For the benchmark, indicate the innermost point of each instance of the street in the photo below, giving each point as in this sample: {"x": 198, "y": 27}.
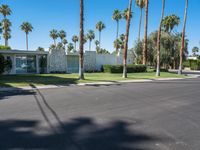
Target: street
{"x": 160, "y": 115}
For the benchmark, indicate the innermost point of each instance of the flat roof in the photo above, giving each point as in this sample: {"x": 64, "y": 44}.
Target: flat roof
{"x": 23, "y": 52}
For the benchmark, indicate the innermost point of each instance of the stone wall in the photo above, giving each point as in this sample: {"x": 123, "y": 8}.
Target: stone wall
{"x": 57, "y": 61}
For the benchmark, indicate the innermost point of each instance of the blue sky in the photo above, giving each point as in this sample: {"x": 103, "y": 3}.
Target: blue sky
{"x": 45, "y": 15}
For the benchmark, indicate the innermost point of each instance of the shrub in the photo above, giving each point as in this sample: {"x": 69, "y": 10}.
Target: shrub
{"x": 5, "y": 65}
{"x": 2, "y": 66}
{"x": 194, "y": 64}
{"x": 186, "y": 64}
{"x": 119, "y": 68}
{"x": 2, "y": 47}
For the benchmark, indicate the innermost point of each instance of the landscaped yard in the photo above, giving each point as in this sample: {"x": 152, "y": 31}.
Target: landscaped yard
{"x": 64, "y": 79}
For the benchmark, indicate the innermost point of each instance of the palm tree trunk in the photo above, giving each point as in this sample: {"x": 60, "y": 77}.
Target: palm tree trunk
{"x": 54, "y": 41}
{"x": 75, "y": 46}
{"x": 6, "y": 42}
{"x": 126, "y": 40}
{"x": 158, "y": 40}
{"x": 183, "y": 39}
{"x": 145, "y": 33}
{"x": 26, "y": 41}
{"x": 117, "y": 36}
{"x": 90, "y": 45}
{"x": 81, "y": 69}
{"x": 99, "y": 40}
{"x": 140, "y": 24}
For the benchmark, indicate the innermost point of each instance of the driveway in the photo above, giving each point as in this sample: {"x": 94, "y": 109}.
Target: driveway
{"x": 161, "y": 115}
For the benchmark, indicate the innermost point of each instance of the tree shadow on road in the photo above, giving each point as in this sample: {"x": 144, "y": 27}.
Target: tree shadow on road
{"x": 78, "y": 133}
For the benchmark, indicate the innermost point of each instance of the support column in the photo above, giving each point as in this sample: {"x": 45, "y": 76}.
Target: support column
{"x": 13, "y": 65}
{"x": 37, "y": 65}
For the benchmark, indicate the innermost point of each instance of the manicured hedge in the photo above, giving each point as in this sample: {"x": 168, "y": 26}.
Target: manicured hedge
{"x": 119, "y": 68}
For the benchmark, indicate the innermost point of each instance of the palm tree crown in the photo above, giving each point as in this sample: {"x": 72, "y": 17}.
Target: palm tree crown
{"x": 62, "y": 34}
{"x": 117, "y": 15}
{"x": 26, "y": 27}
{"x": 100, "y": 26}
{"x": 169, "y": 22}
{"x": 140, "y": 3}
{"x": 90, "y": 37}
{"x": 54, "y": 35}
{"x": 5, "y": 10}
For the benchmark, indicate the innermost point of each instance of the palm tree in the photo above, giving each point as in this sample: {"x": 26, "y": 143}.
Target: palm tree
{"x": 158, "y": 40}
{"x": 126, "y": 39}
{"x": 62, "y": 34}
{"x": 27, "y": 28}
{"x": 75, "y": 40}
{"x": 117, "y": 16}
{"x": 81, "y": 45}
{"x": 140, "y": 4}
{"x": 70, "y": 47}
{"x": 183, "y": 38}
{"x": 6, "y": 30}
{"x": 100, "y": 26}
{"x": 5, "y": 10}
{"x": 169, "y": 22}
{"x": 90, "y": 37}
{"x": 145, "y": 32}
{"x": 54, "y": 35}
{"x": 64, "y": 41}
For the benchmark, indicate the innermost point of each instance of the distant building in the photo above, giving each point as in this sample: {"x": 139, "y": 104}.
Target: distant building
{"x": 57, "y": 61}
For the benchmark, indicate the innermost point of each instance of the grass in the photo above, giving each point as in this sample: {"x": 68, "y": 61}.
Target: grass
{"x": 65, "y": 79}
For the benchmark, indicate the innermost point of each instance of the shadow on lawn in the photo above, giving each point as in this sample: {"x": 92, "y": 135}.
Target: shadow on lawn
{"x": 6, "y": 81}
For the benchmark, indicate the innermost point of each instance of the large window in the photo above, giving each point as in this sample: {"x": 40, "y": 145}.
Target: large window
{"x": 26, "y": 64}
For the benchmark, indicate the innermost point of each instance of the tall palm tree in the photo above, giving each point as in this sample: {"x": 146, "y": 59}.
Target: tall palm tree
{"x": 5, "y": 10}
{"x": 140, "y": 4}
{"x": 62, "y": 35}
{"x": 90, "y": 37}
{"x": 183, "y": 38}
{"x": 145, "y": 32}
{"x": 100, "y": 26}
{"x": 75, "y": 40}
{"x": 126, "y": 39}
{"x": 81, "y": 45}
{"x": 6, "y": 30}
{"x": 117, "y": 16}
{"x": 158, "y": 39}
{"x": 54, "y": 35}
{"x": 27, "y": 28}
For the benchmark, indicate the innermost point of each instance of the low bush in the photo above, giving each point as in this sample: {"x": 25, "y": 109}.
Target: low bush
{"x": 195, "y": 64}
{"x": 2, "y": 47}
{"x": 119, "y": 68}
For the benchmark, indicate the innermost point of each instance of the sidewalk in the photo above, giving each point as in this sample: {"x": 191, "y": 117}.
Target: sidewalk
{"x": 9, "y": 89}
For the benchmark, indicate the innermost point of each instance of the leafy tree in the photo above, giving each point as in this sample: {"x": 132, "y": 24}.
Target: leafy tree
{"x": 64, "y": 41}
{"x": 40, "y": 49}
{"x": 54, "y": 35}
{"x": 90, "y": 37}
{"x": 100, "y": 26}
{"x": 140, "y": 4}
{"x": 27, "y": 28}
{"x": 195, "y": 51}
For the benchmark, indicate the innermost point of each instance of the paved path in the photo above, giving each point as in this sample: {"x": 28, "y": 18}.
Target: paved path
{"x": 160, "y": 115}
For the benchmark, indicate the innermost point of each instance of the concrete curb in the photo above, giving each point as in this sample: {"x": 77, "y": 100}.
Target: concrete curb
{"x": 10, "y": 89}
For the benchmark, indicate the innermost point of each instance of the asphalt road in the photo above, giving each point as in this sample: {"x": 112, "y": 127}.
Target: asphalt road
{"x": 163, "y": 115}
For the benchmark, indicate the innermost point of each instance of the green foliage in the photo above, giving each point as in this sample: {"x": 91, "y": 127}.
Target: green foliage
{"x": 102, "y": 51}
{"x": 194, "y": 64}
{"x": 186, "y": 64}
{"x": 119, "y": 68}
{"x": 2, "y": 47}
{"x": 43, "y": 64}
{"x": 5, "y": 65}
{"x": 40, "y": 49}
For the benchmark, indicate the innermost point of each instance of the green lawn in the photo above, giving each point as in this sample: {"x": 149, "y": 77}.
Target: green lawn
{"x": 64, "y": 79}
